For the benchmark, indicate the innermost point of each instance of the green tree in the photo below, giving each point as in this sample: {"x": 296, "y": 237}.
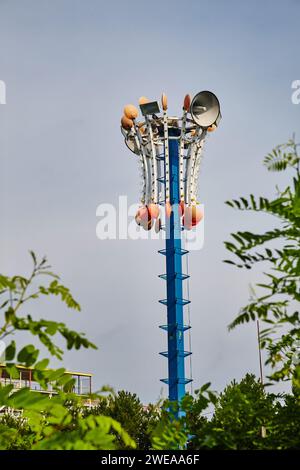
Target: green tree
{"x": 191, "y": 426}
{"x": 243, "y": 417}
{"x": 16, "y": 432}
{"x": 238, "y": 415}
{"x": 277, "y": 305}
{"x": 51, "y": 423}
{"x": 283, "y": 430}
{"x": 242, "y": 413}
{"x": 247, "y": 417}
{"x": 127, "y": 409}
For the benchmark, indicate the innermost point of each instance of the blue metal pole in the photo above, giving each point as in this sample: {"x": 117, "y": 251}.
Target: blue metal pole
{"x": 175, "y": 327}
{"x": 174, "y": 284}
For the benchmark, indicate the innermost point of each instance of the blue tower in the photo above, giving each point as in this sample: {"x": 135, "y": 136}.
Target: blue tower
{"x": 170, "y": 153}
{"x": 174, "y": 277}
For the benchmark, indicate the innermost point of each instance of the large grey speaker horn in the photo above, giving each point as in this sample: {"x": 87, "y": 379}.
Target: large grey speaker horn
{"x": 131, "y": 144}
{"x": 205, "y": 109}
{"x": 124, "y": 132}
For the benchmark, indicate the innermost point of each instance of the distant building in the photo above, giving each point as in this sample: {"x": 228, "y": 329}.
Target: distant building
{"x": 82, "y": 386}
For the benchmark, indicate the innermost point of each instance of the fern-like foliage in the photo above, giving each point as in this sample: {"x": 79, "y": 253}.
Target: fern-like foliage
{"x": 283, "y": 156}
{"x": 282, "y": 285}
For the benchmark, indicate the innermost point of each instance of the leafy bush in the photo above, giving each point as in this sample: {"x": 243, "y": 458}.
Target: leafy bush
{"x": 127, "y": 409}
{"x": 242, "y": 417}
{"x": 277, "y": 306}
{"x": 49, "y": 423}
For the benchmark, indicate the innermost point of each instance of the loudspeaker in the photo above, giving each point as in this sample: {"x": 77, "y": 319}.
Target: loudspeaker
{"x": 131, "y": 144}
{"x": 205, "y": 109}
{"x": 124, "y": 132}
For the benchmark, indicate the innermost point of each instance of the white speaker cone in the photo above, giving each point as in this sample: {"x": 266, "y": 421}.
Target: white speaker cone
{"x": 205, "y": 109}
{"x": 131, "y": 144}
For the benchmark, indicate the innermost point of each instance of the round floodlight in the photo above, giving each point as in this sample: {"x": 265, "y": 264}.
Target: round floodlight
{"x": 192, "y": 216}
{"x": 131, "y": 111}
{"x": 205, "y": 109}
{"x": 187, "y": 103}
{"x": 143, "y": 100}
{"x": 144, "y": 214}
{"x": 138, "y": 219}
{"x": 153, "y": 210}
{"x": 157, "y": 226}
{"x": 168, "y": 209}
{"x": 164, "y": 102}
{"x": 126, "y": 123}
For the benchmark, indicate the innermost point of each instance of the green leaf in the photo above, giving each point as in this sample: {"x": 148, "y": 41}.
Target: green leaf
{"x": 12, "y": 370}
{"x": 33, "y": 256}
{"x": 41, "y": 365}
{"x": 28, "y": 355}
{"x": 205, "y": 387}
{"x": 10, "y": 351}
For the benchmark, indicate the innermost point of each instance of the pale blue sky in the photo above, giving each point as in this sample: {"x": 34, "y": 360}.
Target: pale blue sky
{"x": 70, "y": 67}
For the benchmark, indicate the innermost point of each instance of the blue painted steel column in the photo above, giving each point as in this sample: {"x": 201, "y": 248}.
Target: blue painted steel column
{"x": 174, "y": 278}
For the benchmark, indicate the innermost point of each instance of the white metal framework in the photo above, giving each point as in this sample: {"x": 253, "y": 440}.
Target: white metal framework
{"x": 149, "y": 140}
